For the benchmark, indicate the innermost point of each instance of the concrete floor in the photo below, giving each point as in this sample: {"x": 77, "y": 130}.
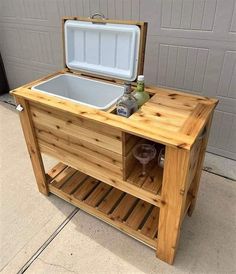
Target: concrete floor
{"x": 87, "y": 245}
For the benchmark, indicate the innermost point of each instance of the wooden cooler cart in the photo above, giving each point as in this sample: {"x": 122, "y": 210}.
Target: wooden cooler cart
{"x": 97, "y": 171}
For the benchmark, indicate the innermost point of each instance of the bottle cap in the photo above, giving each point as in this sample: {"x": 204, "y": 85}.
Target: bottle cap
{"x": 141, "y": 78}
{"x": 127, "y": 87}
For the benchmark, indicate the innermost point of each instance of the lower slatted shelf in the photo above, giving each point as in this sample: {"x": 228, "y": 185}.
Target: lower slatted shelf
{"x": 129, "y": 214}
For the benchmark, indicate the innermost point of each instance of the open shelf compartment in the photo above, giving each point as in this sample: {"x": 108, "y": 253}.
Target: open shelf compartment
{"x": 125, "y": 212}
{"x": 132, "y": 169}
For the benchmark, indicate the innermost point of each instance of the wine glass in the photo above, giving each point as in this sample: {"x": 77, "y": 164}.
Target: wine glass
{"x": 144, "y": 153}
{"x": 161, "y": 158}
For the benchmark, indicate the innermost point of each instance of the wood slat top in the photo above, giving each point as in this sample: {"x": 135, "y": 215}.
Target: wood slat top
{"x": 170, "y": 117}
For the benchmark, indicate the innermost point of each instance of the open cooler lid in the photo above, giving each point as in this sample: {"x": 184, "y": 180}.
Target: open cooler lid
{"x": 105, "y": 49}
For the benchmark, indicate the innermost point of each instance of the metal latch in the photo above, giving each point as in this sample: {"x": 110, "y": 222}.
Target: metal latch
{"x": 19, "y": 108}
{"x": 99, "y": 16}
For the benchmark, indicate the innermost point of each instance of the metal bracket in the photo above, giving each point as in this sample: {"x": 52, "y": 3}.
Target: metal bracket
{"x": 19, "y": 108}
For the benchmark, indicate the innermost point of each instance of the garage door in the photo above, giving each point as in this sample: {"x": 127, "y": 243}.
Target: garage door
{"x": 191, "y": 46}
{"x": 194, "y": 43}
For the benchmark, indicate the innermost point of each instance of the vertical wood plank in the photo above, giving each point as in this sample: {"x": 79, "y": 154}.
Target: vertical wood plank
{"x": 32, "y": 145}
{"x": 196, "y": 181}
{"x": 174, "y": 192}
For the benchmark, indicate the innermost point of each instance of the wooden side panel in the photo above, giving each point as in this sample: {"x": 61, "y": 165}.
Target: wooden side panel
{"x": 129, "y": 141}
{"x": 55, "y": 171}
{"x": 174, "y": 192}
{"x": 68, "y": 125}
{"x": 194, "y": 156}
{"x": 73, "y": 147}
{"x": 84, "y": 144}
{"x": 32, "y": 145}
{"x": 199, "y": 165}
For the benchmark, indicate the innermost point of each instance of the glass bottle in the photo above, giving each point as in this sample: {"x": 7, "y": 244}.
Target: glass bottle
{"x": 127, "y": 104}
{"x": 140, "y": 94}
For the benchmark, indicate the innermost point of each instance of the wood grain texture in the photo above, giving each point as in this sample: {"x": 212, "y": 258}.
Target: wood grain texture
{"x": 91, "y": 132}
{"x": 53, "y": 172}
{"x": 100, "y": 144}
{"x": 124, "y": 208}
{"x": 32, "y": 145}
{"x": 197, "y": 120}
{"x": 151, "y": 225}
{"x": 199, "y": 165}
{"x": 100, "y": 173}
{"x": 174, "y": 192}
{"x": 107, "y": 205}
{"x": 155, "y": 125}
{"x": 123, "y": 211}
{"x": 63, "y": 177}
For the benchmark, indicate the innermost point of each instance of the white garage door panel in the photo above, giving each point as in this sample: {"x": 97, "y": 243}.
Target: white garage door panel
{"x": 195, "y": 48}
{"x": 222, "y": 136}
{"x": 199, "y": 19}
{"x": 191, "y": 46}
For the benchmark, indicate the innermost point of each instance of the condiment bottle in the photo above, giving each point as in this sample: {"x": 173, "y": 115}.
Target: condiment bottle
{"x": 127, "y": 104}
{"x": 140, "y": 94}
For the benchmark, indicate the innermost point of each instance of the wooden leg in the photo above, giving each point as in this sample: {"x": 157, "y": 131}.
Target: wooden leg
{"x": 174, "y": 192}
{"x": 196, "y": 181}
{"x": 32, "y": 145}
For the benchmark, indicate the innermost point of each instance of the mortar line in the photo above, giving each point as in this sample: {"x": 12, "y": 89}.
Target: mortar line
{"x": 47, "y": 242}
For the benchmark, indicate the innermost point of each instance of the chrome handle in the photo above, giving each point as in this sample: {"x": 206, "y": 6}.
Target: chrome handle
{"x": 97, "y": 14}
{"x": 19, "y": 108}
